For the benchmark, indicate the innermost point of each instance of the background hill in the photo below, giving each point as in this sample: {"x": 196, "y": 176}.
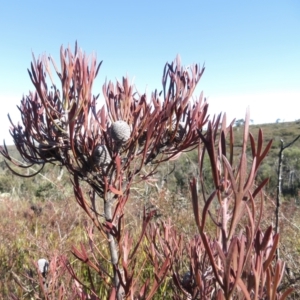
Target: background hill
{"x": 175, "y": 175}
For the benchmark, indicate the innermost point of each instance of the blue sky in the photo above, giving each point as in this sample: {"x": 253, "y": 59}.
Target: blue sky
{"x": 251, "y": 49}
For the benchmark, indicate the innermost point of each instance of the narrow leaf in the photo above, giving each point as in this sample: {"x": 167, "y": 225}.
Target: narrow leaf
{"x": 243, "y": 288}
{"x": 115, "y": 191}
{"x": 266, "y": 239}
{"x": 193, "y": 187}
{"x": 272, "y": 252}
{"x": 286, "y": 293}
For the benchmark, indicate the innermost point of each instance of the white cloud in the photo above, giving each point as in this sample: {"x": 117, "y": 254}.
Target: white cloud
{"x": 264, "y": 107}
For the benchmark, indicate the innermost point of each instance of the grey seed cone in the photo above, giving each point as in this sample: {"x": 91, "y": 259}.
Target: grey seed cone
{"x": 43, "y": 265}
{"x": 120, "y": 131}
{"x": 180, "y": 132}
{"x": 101, "y": 156}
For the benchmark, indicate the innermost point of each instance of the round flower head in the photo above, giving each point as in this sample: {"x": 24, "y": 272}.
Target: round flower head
{"x": 120, "y": 131}
{"x": 101, "y": 156}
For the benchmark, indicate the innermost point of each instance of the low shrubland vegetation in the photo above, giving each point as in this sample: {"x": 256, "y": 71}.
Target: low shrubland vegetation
{"x": 40, "y": 218}
{"x": 130, "y": 218}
